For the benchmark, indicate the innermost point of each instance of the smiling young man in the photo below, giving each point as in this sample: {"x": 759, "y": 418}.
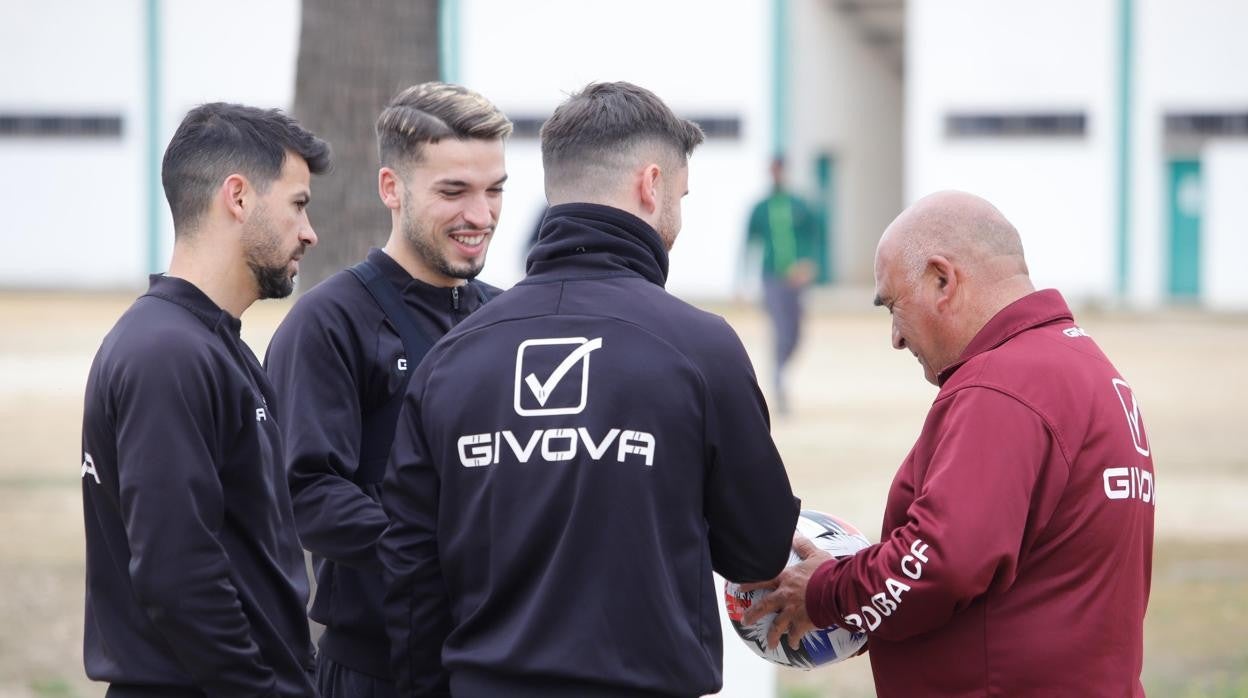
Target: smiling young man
{"x": 195, "y": 581}
{"x": 341, "y": 359}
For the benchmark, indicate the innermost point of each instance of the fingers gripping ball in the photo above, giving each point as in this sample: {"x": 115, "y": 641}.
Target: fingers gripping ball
{"x": 819, "y": 647}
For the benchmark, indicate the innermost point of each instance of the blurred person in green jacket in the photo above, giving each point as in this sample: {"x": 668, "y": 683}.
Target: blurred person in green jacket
{"x": 787, "y": 231}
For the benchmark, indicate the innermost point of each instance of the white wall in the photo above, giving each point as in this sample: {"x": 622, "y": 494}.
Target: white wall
{"x": 1225, "y": 244}
{"x": 991, "y": 56}
{"x": 847, "y": 101}
{"x": 1007, "y": 57}
{"x": 700, "y": 56}
{"x": 72, "y": 207}
{"x": 76, "y": 209}
{"x": 224, "y": 51}
{"x": 704, "y": 57}
{"x": 1190, "y": 56}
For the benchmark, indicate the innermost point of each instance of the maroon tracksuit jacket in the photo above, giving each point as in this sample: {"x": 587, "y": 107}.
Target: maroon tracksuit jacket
{"x": 1016, "y": 552}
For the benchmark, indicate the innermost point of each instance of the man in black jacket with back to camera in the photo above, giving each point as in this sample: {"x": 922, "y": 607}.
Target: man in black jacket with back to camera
{"x": 196, "y": 585}
{"x": 341, "y": 358}
{"x": 574, "y": 459}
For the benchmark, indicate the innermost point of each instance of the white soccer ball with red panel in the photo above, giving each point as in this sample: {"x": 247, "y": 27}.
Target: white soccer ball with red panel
{"x": 819, "y": 647}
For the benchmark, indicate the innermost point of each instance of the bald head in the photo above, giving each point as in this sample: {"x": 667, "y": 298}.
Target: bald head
{"x": 963, "y": 228}
{"x": 943, "y": 269}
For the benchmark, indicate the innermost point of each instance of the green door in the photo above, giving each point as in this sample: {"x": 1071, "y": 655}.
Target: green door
{"x": 1184, "y": 196}
{"x": 825, "y": 177}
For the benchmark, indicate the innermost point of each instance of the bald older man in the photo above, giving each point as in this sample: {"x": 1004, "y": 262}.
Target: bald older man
{"x": 1016, "y": 551}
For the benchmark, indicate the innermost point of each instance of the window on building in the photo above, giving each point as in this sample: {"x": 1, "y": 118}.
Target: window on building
{"x": 106, "y": 126}
{"x": 1016, "y": 125}
{"x": 1206, "y": 124}
{"x": 715, "y": 127}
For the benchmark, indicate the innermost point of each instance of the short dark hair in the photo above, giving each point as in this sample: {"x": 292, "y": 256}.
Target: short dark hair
{"x": 218, "y": 139}
{"x": 431, "y": 111}
{"x": 606, "y": 119}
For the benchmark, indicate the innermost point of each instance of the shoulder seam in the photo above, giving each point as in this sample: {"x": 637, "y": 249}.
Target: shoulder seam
{"x": 1048, "y": 423}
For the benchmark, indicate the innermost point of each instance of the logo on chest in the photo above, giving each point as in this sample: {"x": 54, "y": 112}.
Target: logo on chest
{"x": 262, "y": 412}
{"x": 1132, "y": 409}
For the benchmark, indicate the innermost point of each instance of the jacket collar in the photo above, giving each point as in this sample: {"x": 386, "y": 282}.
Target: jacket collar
{"x": 1032, "y": 310}
{"x": 409, "y": 285}
{"x": 597, "y": 239}
{"x": 188, "y": 295}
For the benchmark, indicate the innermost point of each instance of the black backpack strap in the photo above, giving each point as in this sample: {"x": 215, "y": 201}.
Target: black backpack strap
{"x": 488, "y": 292}
{"x": 378, "y": 427}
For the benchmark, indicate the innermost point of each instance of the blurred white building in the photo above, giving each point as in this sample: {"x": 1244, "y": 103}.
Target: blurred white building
{"x": 78, "y": 163}
{"x": 875, "y": 102}
{"x": 101, "y": 86}
{"x": 1127, "y": 179}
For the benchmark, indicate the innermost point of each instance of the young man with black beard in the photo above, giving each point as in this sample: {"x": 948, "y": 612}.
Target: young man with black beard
{"x": 195, "y": 581}
{"x": 342, "y": 357}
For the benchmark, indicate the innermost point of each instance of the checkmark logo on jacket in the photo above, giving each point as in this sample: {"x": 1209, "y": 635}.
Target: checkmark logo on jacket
{"x": 533, "y": 356}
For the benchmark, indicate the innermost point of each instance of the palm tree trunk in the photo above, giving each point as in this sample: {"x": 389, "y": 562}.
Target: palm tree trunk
{"x": 354, "y": 55}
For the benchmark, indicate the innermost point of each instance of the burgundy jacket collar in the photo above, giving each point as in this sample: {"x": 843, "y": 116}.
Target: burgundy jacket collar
{"x": 1032, "y": 310}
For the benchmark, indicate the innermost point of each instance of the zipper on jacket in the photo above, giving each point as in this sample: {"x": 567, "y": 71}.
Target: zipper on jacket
{"x": 454, "y": 298}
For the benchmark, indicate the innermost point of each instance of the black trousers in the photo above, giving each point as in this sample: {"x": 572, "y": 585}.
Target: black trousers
{"x": 334, "y": 680}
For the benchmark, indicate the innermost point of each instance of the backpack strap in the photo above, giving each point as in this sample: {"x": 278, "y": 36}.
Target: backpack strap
{"x": 488, "y": 293}
{"x": 378, "y": 427}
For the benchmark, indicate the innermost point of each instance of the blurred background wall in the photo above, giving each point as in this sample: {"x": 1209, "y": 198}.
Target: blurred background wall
{"x": 1114, "y": 133}
{"x": 1125, "y": 177}
{"x": 101, "y": 88}
{"x": 78, "y": 167}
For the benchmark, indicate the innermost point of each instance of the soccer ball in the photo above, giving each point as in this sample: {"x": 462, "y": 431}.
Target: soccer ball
{"x": 818, "y": 647}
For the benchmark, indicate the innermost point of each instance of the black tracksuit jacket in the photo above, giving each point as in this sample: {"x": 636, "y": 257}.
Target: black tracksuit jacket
{"x": 195, "y": 581}
{"x": 571, "y": 464}
{"x": 335, "y": 362}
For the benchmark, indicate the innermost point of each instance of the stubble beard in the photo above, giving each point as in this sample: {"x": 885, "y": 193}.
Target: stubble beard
{"x": 262, "y": 248}
{"x": 423, "y": 244}
{"x": 667, "y": 224}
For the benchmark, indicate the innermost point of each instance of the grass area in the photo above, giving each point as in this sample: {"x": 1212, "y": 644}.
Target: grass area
{"x": 1197, "y": 639}
{"x": 52, "y": 688}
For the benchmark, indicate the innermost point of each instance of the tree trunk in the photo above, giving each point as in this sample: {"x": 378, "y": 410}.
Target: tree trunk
{"x": 354, "y": 55}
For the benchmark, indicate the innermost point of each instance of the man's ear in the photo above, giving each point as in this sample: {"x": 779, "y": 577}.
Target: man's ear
{"x": 235, "y": 194}
{"x": 944, "y": 274}
{"x": 390, "y": 188}
{"x": 648, "y": 188}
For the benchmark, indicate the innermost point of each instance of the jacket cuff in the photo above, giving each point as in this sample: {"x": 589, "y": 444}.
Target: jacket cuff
{"x": 820, "y": 599}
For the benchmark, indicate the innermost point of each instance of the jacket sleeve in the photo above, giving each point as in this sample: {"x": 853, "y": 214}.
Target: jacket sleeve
{"x": 316, "y": 374}
{"x": 173, "y": 509}
{"x": 994, "y": 472}
{"x": 417, "y": 605}
{"x": 750, "y": 508}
